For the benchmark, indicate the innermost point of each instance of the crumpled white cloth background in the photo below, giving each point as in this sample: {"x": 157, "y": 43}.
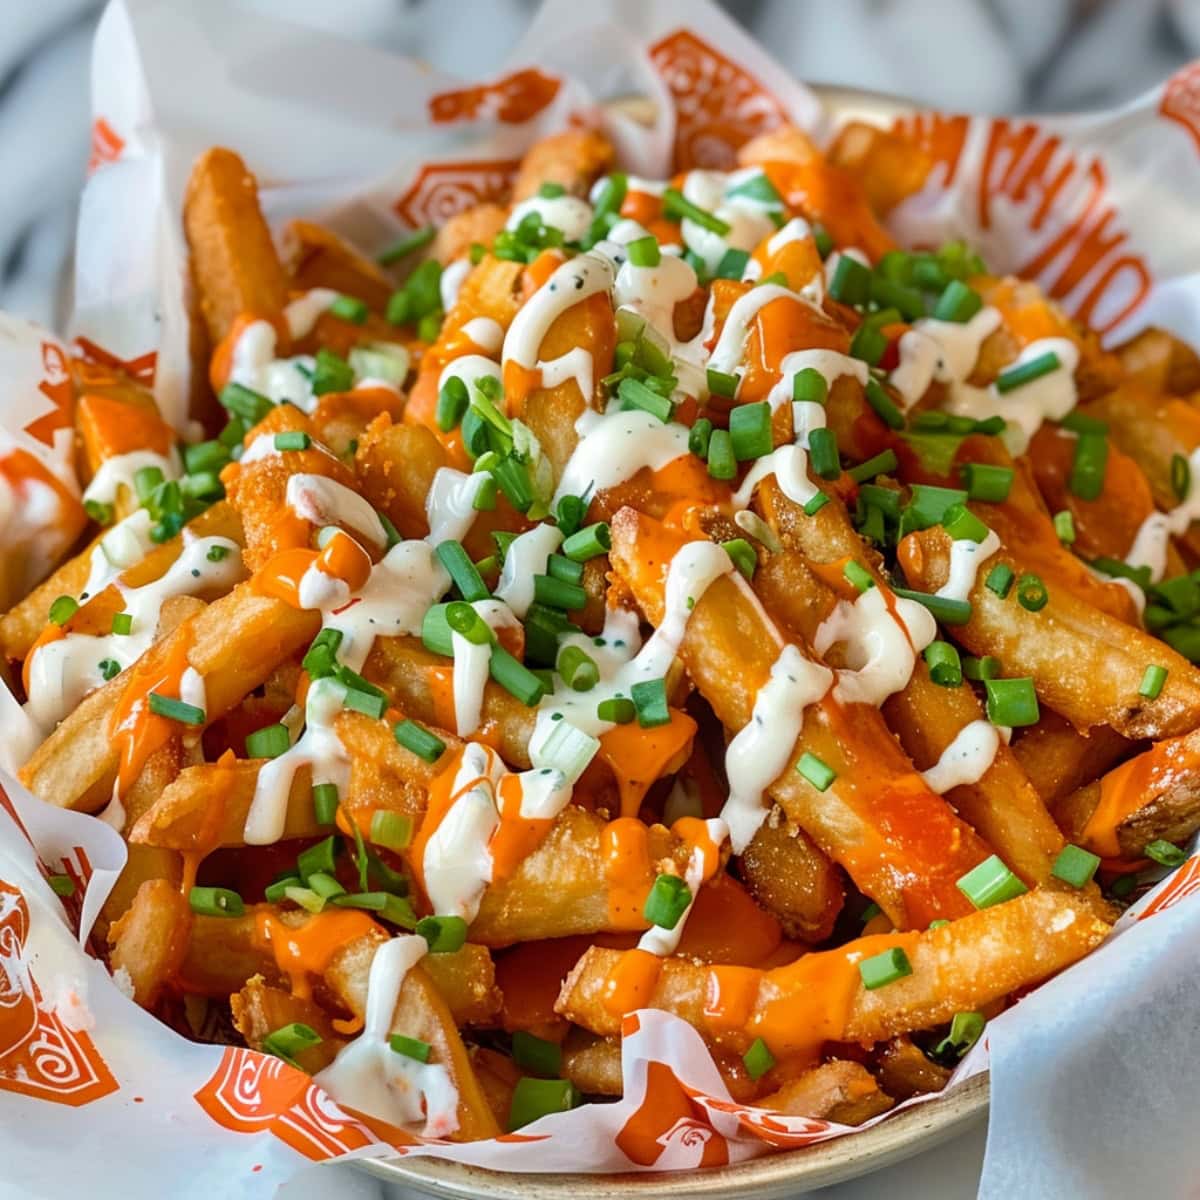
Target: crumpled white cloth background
{"x": 966, "y": 55}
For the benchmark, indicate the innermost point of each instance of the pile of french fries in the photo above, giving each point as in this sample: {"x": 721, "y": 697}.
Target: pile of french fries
{"x": 642, "y": 595}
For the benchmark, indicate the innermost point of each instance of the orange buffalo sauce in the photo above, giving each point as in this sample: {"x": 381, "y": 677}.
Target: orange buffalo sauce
{"x": 729, "y": 997}
{"x": 625, "y": 853}
{"x": 516, "y": 837}
{"x": 220, "y": 367}
{"x": 1124, "y": 790}
{"x": 785, "y": 324}
{"x": 110, "y": 427}
{"x": 301, "y": 950}
{"x": 797, "y": 259}
{"x": 342, "y": 558}
{"x": 638, "y": 757}
{"x": 135, "y": 731}
{"x": 208, "y": 837}
{"x": 632, "y": 982}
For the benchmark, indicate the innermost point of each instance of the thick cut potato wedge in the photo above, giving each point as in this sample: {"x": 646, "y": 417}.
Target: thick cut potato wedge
{"x": 316, "y": 257}
{"x": 840, "y": 1091}
{"x": 574, "y": 159}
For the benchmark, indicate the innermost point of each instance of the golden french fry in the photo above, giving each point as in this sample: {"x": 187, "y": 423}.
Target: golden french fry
{"x": 1158, "y": 361}
{"x": 888, "y": 167}
{"x": 477, "y": 225}
{"x": 150, "y": 940}
{"x": 786, "y": 873}
{"x": 259, "y": 1010}
{"x": 395, "y": 466}
{"x": 316, "y": 257}
{"x": 573, "y": 159}
{"x": 592, "y": 1064}
{"x": 1153, "y": 796}
{"x": 957, "y": 967}
{"x": 866, "y": 819}
{"x": 904, "y": 1070}
{"x": 1085, "y": 665}
{"x": 1058, "y": 759}
{"x": 234, "y": 265}
{"x": 840, "y": 1091}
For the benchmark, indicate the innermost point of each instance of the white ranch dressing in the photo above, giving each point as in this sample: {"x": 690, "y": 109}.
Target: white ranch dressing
{"x": 761, "y": 750}
{"x": 527, "y": 555}
{"x": 789, "y": 465}
{"x": 1025, "y": 408}
{"x": 614, "y": 446}
{"x": 881, "y": 647}
{"x": 568, "y": 213}
{"x": 576, "y": 280}
{"x": 123, "y": 546}
{"x": 451, "y": 280}
{"x": 829, "y": 364}
{"x": 728, "y": 353}
{"x": 372, "y": 1077}
{"x": 324, "y": 501}
{"x": 470, "y": 368}
{"x": 303, "y": 313}
{"x": 946, "y": 351}
{"x": 1150, "y": 543}
{"x": 966, "y": 557}
{"x": 472, "y": 663}
{"x": 256, "y": 367}
{"x": 450, "y": 505}
{"x": 663, "y": 942}
{"x": 118, "y": 472}
{"x": 967, "y": 759}
{"x": 62, "y": 672}
{"x": 748, "y": 219}
{"x": 486, "y": 333}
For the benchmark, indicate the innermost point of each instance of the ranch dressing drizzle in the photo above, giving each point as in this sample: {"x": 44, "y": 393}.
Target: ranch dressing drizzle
{"x": 966, "y": 557}
{"x": 967, "y": 759}
{"x": 663, "y": 942}
{"x": 945, "y": 351}
{"x": 372, "y": 1077}
{"x": 118, "y": 472}
{"x": 1149, "y": 547}
{"x": 762, "y": 748}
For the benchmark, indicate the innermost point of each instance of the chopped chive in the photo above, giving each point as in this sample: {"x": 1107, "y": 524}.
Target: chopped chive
{"x": 858, "y": 575}
{"x": 1165, "y": 853}
{"x": 349, "y": 308}
{"x": 870, "y": 912}
{"x": 99, "y": 512}
{"x": 635, "y": 394}
{"x": 851, "y": 282}
{"x": 650, "y": 701}
{"x": 957, "y": 303}
{"x": 881, "y": 464}
{"x": 758, "y": 1059}
{"x": 1000, "y": 580}
{"x": 1089, "y": 464}
{"x": 987, "y": 482}
{"x": 109, "y": 668}
{"x": 810, "y": 386}
{"x": 965, "y": 1030}
{"x": 391, "y": 830}
{"x": 823, "y": 453}
{"x": 815, "y": 771}
{"x": 462, "y": 571}
{"x": 750, "y": 431}
{"x": 289, "y": 1041}
{"x": 721, "y": 461}
{"x": 419, "y": 740}
{"x": 1027, "y": 372}
{"x": 557, "y": 593}
{"x": 868, "y": 344}
{"x": 62, "y": 610}
{"x": 551, "y": 190}
{"x": 535, "y": 1054}
{"x": 533, "y": 1099}
{"x": 515, "y": 678}
{"x": 319, "y": 858}
{"x": 991, "y": 882}
{"x": 698, "y": 437}
{"x": 578, "y": 669}
{"x": 406, "y": 245}
{"x": 445, "y": 934}
{"x": 217, "y": 553}
{"x": 452, "y": 404}
{"x": 881, "y": 969}
{"x": 1031, "y": 592}
{"x": 945, "y": 666}
{"x": 644, "y": 251}
{"x": 610, "y": 194}
{"x": 677, "y": 207}
{"x": 743, "y": 556}
{"x": 204, "y": 456}
{"x": 1153, "y": 679}
{"x": 176, "y": 710}
{"x": 980, "y": 669}
{"x": 1181, "y": 476}
{"x": 1011, "y": 702}
{"x": 949, "y": 612}
{"x": 963, "y": 525}
{"x": 588, "y": 543}
{"x": 733, "y": 264}
{"x": 815, "y": 505}
{"x": 722, "y": 384}
{"x": 325, "y": 885}
{"x": 617, "y": 709}
{"x": 566, "y": 569}
{"x": 269, "y": 742}
{"x": 1075, "y": 865}
{"x": 822, "y": 240}
{"x": 667, "y": 901}
{"x": 215, "y": 902}
{"x": 325, "y": 803}
{"x": 242, "y": 402}
{"x": 883, "y": 405}
{"x": 410, "y": 1047}
{"x": 122, "y": 623}
{"x": 1064, "y": 526}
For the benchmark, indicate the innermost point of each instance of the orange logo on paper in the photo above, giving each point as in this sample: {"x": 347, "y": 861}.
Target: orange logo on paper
{"x": 140, "y": 368}
{"x": 1181, "y": 100}
{"x": 669, "y": 1124}
{"x": 718, "y": 105}
{"x": 255, "y": 1093}
{"x": 56, "y": 387}
{"x": 1021, "y": 175}
{"x": 516, "y": 98}
{"x": 39, "y": 1055}
{"x": 443, "y": 190}
{"x": 107, "y": 144}
{"x": 1184, "y": 883}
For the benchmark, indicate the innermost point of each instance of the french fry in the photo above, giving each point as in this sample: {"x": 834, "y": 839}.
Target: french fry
{"x": 477, "y": 225}
{"x": 1085, "y": 665}
{"x": 1157, "y": 361}
{"x": 840, "y": 1091}
{"x": 1153, "y": 796}
{"x": 395, "y": 466}
{"x": 149, "y": 942}
{"x": 498, "y": 1076}
{"x": 867, "y": 818}
{"x": 786, "y": 873}
{"x": 592, "y": 1064}
{"x": 573, "y": 159}
{"x": 315, "y": 257}
{"x": 234, "y": 265}
{"x": 20, "y": 626}
{"x": 1058, "y": 759}
{"x": 888, "y": 167}
{"x": 904, "y": 1071}
{"x": 957, "y": 967}
{"x": 259, "y": 1010}
{"x": 234, "y": 645}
